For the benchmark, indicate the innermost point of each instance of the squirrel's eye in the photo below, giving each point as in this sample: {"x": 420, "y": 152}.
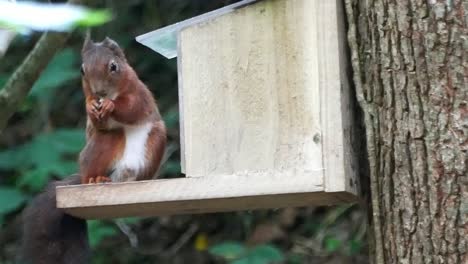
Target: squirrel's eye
{"x": 82, "y": 70}
{"x": 113, "y": 66}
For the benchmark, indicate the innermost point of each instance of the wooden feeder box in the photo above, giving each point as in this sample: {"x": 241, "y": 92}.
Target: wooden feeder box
{"x": 265, "y": 115}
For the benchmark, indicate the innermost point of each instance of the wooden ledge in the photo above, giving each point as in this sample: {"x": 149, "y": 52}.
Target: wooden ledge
{"x": 195, "y": 195}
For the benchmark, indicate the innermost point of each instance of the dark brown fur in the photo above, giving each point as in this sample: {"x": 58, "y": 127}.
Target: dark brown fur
{"x": 50, "y": 235}
{"x": 133, "y": 104}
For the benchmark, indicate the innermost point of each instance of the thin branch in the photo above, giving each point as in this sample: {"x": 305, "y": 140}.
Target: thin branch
{"x": 20, "y": 83}
{"x": 183, "y": 239}
{"x": 127, "y": 230}
{"x": 174, "y": 248}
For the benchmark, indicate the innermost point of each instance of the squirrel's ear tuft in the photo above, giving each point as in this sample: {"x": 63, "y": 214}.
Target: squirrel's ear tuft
{"x": 88, "y": 43}
{"x": 114, "y": 47}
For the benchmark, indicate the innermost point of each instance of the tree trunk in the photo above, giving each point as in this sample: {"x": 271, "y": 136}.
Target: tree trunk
{"x": 410, "y": 63}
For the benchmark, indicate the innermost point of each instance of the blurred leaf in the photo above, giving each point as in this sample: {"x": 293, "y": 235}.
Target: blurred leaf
{"x": 11, "y": 159}
{"x": 245, "y": 260}
{"x": 100, "y": 257}
{"x": 43, "y": 157}
{"x": 170, "y": 167}
{"x": 26, "y": 16}
{"x": 311, "y": 227}
{"x": 130, "y": 220}
{"x": 37, "y": 178}
{"x": 95, "y": 18}
{"x": 98, "y": 230}
{"x": 3, "y": 80}
{"x": 332, "y": 244}
{"x": 171, "y": 118}
{"x": 60, "y": 70}
{"x": 355, "y": 246}
{"x": 228, "y": 250}
{"x": 63, "y": 168}
{"x": 237, "y": 253}
{"x": 66, "y": 140}
{"x": 34, "y": 179}
{"x": 44, "y": 149}
{"x": 295, "y": 259}
{"x": 264, "y": 254}
{"x": 11, "y": 199}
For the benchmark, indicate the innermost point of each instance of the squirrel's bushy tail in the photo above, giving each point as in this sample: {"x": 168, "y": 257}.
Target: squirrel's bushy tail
{"x": 49, "y": 234}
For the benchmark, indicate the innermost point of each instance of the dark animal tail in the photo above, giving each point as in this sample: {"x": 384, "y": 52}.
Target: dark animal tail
{"x": 49, "y": 234}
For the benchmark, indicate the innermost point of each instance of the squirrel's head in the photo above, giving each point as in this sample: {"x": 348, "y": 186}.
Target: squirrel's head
{"x": 104, "y": 66}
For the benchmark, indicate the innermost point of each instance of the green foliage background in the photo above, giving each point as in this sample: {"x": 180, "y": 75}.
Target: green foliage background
{"x": 43, "y": 139}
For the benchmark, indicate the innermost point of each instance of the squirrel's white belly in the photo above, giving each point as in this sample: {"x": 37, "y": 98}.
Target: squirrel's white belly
{"x": 134, "y": 155}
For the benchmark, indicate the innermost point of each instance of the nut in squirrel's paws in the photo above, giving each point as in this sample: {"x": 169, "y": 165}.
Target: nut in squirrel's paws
{"x": 92, "y": 109}
{"x": 98, "y": 104}
{"x": 106, "y": 107}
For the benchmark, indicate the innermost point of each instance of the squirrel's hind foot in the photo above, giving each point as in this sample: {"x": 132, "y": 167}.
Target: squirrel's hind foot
{"x": 103, "y": 179}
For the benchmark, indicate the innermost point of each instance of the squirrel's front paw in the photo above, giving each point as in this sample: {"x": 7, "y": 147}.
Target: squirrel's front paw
{"x": 107, "y": 106}
{"x": 93, "y": 108}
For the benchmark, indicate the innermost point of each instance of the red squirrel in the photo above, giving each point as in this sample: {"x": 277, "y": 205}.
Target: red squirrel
{"x": 125, "y": 135}
{"x": 125, "y": 140}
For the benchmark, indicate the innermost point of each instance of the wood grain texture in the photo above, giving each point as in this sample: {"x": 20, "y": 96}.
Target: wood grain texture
{"x": 251, "y": 90}
{"x": 266, "y": 88}
{"x": 195, "y": 195}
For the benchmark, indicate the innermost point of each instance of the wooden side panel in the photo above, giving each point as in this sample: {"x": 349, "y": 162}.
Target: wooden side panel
{"x": 336, "y": 114}
{"x": 251, "y": 99}
{"x": 180, "y": 83}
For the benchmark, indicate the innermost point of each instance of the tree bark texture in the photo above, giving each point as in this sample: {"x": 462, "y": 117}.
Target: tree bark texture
{"x": 410, "y": 64}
